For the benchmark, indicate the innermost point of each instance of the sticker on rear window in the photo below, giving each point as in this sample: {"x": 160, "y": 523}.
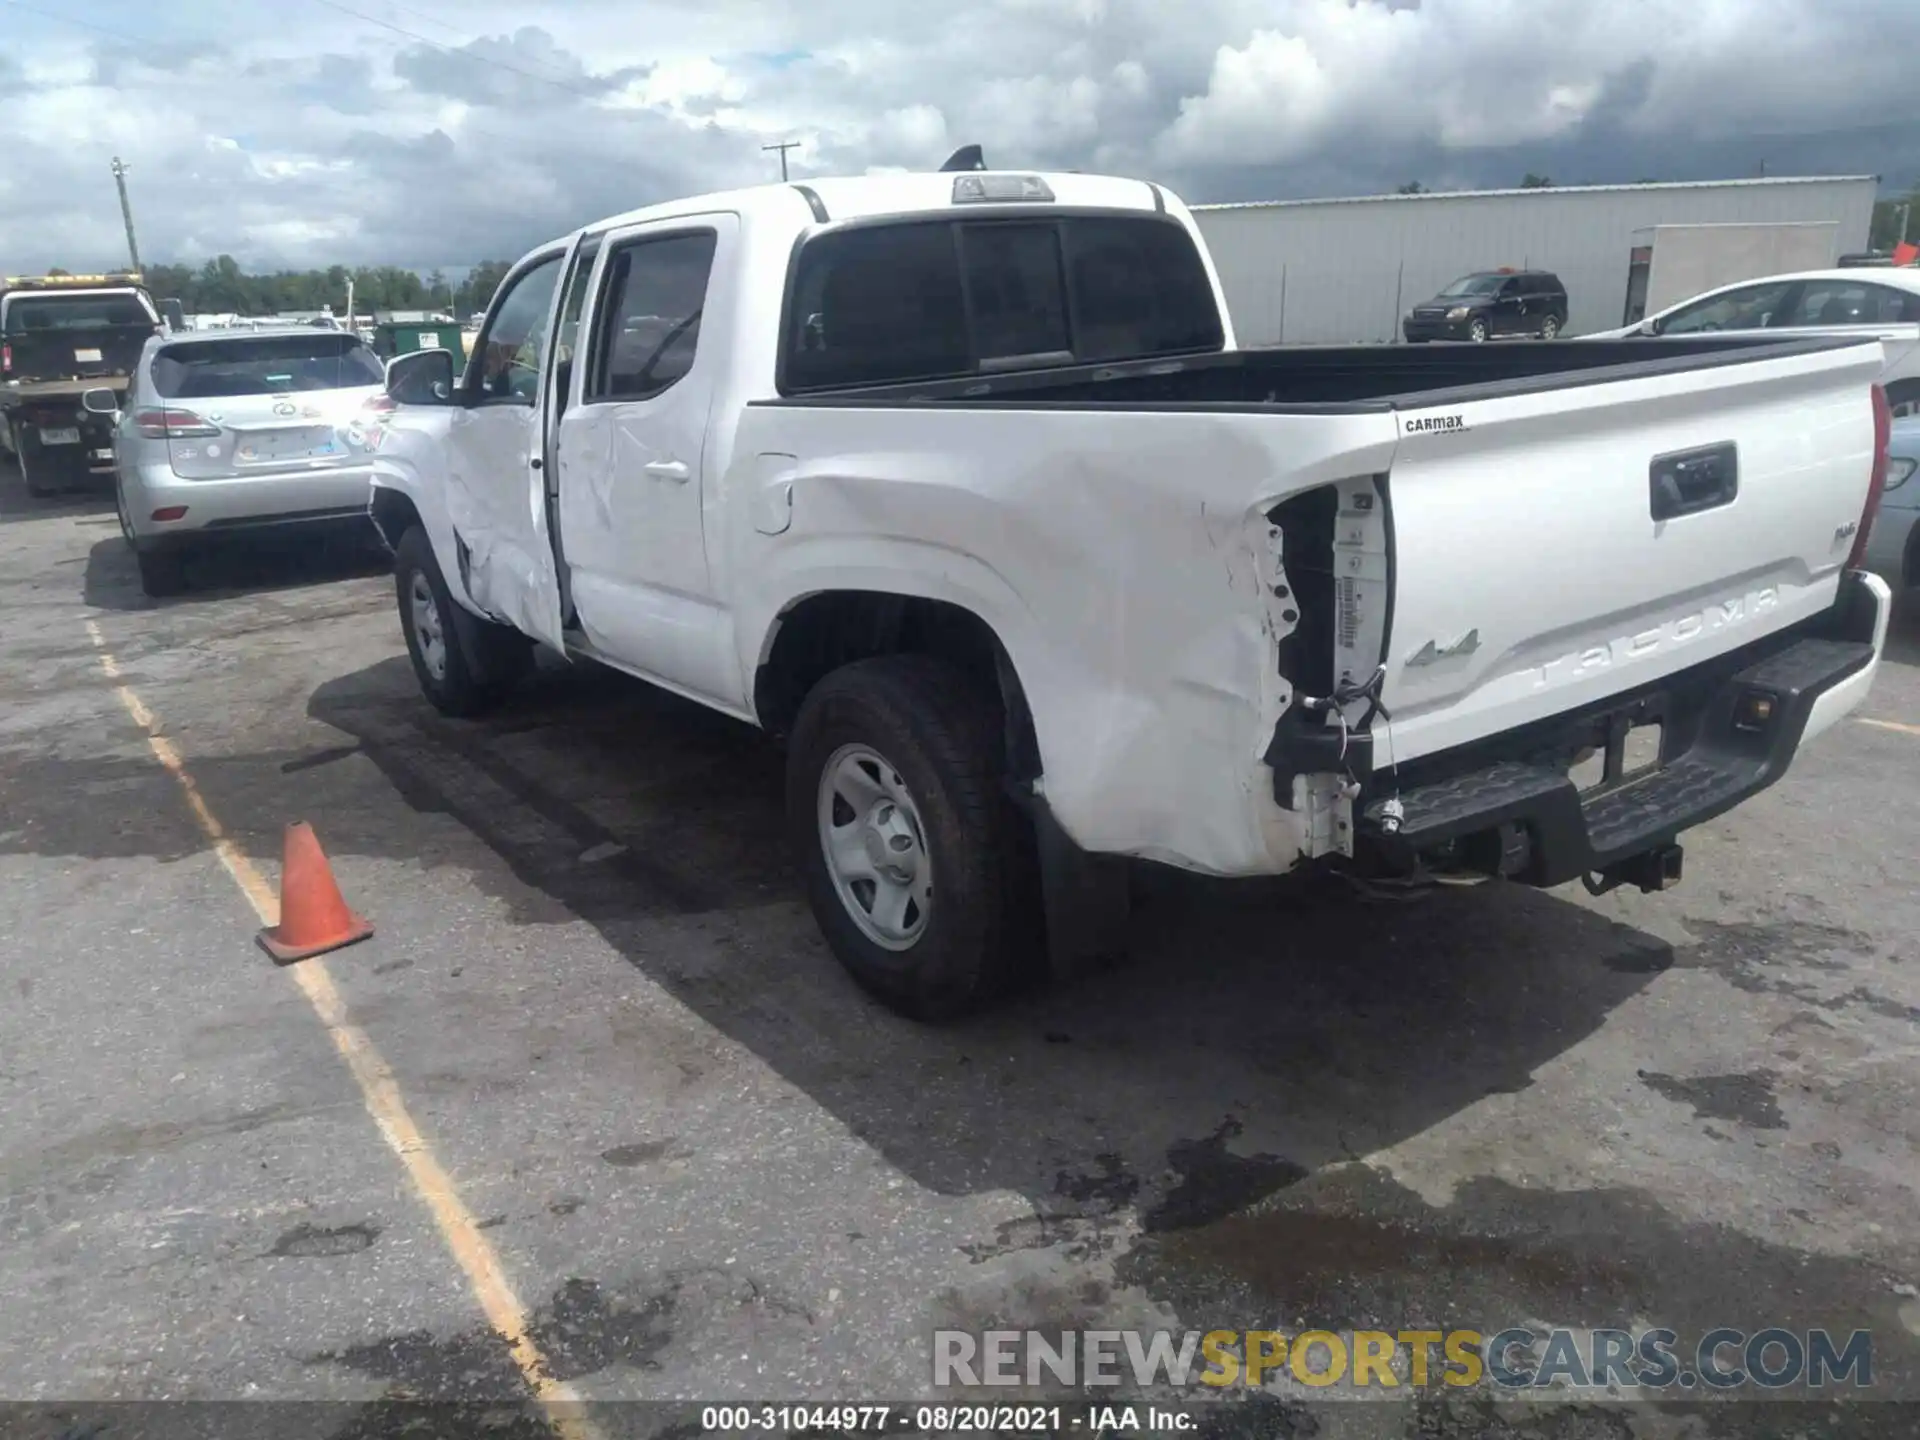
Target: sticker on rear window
{"x": 1435, "y": 424}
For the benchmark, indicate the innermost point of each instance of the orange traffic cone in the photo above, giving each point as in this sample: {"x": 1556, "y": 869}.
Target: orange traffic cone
{"x": 314, "y": 917}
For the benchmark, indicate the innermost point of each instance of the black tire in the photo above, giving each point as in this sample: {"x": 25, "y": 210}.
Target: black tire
{"x": 477, "y": 662}
{"x": 1904, "y": 397}
{"x": 942, "y": 738}
{"x": 162, "y": 572}
{"x": 36, "y": 470}
{"x": 1478, "y": 332}
{"x": 1550, "y": 328}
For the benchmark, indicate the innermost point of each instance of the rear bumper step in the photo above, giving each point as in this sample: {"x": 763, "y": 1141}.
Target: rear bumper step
{"x": 1726, "y": 735}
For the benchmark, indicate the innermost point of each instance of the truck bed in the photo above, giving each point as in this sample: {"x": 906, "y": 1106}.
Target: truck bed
{"x": 61, "y": 362}
{"x": 1332, "y": 378}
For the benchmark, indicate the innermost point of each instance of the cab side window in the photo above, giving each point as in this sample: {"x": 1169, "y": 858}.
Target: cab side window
{"x": 514, "y": 345}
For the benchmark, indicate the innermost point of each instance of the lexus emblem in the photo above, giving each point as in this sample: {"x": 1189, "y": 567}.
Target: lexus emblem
{"x": 285, "y": 407}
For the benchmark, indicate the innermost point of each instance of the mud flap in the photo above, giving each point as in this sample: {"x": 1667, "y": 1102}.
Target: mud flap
{"x": 1088, "y": 901}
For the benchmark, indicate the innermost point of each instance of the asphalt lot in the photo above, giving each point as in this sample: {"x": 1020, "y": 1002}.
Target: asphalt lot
{"x": 710, "y": 1169}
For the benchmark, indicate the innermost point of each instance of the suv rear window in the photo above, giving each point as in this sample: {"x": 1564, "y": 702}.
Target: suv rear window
{"x": 925, "y": 299}
{"x": 264, "y": 365}
{"x": 29, "y": 314}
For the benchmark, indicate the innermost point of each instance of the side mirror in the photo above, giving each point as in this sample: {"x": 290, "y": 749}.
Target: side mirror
{"x": 423, "y": 377}
{"x": 100, "y": 401}
{"x": 175, "y": 314}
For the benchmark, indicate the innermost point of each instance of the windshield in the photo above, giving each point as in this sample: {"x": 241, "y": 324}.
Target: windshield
{"x": 1473, "y": 285}
{"x": 31, "y": 314}
{"x": 264, "y": 365}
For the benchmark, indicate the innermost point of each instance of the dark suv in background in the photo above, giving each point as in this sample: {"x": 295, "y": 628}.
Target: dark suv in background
{"x": 1489, "y": 304}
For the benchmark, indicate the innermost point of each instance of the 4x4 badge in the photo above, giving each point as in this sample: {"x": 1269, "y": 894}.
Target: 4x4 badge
{"x": 1432, "y": 652}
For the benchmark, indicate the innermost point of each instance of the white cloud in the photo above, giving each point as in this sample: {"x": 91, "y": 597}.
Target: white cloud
{"x": 311, "y": 144}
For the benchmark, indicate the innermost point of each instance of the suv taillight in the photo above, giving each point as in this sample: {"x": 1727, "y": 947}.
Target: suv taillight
{"x": 171, "y": 424}
{"x": 6, "y": 359}
{"x": 1877, "y": 484}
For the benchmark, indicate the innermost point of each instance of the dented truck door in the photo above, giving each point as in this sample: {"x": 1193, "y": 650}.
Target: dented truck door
{"x": 496, "y": 495}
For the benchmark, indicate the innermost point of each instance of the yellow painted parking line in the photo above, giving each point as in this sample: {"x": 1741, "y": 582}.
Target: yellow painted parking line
{"x": 471, "y": 1249}
{"x": 1894, "y": 725}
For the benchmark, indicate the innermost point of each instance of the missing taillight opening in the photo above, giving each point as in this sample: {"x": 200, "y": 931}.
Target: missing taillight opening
{"x": 1877, "y": 483}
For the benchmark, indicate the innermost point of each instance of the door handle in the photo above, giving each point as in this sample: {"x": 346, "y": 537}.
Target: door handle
{"x": 674, "y": 470}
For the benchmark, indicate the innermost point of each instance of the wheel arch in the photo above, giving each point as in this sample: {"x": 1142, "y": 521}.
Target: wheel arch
{"x": 393, "y": 513}
{"x": 817, "y": 633}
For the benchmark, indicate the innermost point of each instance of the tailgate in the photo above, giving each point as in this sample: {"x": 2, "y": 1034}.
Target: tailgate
{"x": 1556, "y": 547}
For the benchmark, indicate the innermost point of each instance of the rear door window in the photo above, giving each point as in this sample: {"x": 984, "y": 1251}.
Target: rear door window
{"x": 1751, "y": 307}
{"x": 264, "y": 365}
{"x": 1833, "y": 302}
{"x": 649, "y": 317}
{"x": 926, "y": 299}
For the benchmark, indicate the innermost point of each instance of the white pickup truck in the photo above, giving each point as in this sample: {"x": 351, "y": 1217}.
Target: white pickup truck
{"x": 958, "y": 483}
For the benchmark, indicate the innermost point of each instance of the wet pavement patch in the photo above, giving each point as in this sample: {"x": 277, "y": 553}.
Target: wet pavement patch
{"x": 1351, "y": 1248}
{"x": 1748, "y": 1098}
{"x": 581, "y": 1330}
{"x": 419, "y": 1365}
{"x": 1107, "y": 1189}
{"x": 323, "y": 1241}
{"x": 1214, "y": 1182}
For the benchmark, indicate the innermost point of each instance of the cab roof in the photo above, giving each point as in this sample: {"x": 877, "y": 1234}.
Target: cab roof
{"x": 863, "y": 197}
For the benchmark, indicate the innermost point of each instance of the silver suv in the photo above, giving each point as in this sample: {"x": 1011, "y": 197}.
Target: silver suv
{"x": 226, "y": 435}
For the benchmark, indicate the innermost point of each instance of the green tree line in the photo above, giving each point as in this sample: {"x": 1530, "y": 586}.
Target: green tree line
{"x": 220, "y": 287}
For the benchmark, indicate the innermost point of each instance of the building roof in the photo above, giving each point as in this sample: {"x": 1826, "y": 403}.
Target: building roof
{"x": 1548, "y": 190}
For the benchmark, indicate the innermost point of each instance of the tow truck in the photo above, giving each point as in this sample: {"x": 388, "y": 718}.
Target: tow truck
{"x": 60, "y": 336}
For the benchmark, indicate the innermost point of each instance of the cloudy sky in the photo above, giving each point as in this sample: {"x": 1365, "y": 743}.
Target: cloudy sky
{"x": 308, "y": 132}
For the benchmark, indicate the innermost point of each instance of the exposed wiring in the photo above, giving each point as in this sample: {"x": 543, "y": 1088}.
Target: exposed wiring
{"x": 1335, "y": 705}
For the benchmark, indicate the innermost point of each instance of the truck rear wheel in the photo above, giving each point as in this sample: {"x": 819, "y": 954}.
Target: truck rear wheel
{"x": 902, "y": 827}
{"x": 40, "y": 472}
{"x": 464, "y": 664}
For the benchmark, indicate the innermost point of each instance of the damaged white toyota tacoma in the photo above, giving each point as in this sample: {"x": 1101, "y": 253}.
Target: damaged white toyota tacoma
{"x": 958, "y": 483}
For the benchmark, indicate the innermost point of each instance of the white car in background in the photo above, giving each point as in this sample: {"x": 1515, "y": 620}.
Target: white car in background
{"x": 1813, "y": 302}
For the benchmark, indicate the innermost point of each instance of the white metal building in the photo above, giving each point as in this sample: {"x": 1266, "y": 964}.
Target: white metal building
{"x": 1332, "y": 271}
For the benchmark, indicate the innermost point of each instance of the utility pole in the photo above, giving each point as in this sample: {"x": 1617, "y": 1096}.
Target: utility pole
{"x": 126, "y": 211}
{"x": 783, "y": 147}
